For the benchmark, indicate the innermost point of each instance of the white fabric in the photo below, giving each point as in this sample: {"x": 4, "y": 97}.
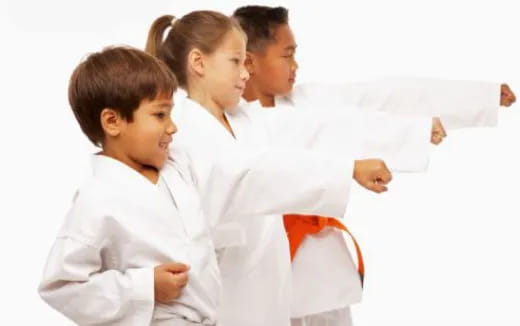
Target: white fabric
{"x": 257, "y": 277}
{"x": 459, "y": 104}
{"x": 326, "y": 254}
{"x": 244, "y": 180}
{"x": 402, "y": 142}
{"x": 248, "y": 181}
{"x": 274, "y": 151}
{"x": 100, "y": 269}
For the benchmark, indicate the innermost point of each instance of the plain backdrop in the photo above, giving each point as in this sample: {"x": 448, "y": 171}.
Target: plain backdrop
{"x": 441, "y": 248}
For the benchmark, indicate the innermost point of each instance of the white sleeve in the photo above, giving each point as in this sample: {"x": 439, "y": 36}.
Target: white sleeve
{"x": 402, "y": 142}
{"x": 458, "y": 103}
{"x": 244, "y": 181}
{"x": 75, "y": 285}
{"x": 278, "y": 181}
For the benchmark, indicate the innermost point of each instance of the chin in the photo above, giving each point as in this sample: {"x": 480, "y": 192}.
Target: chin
{"x": 159, "y": 165}
{"x": 232, "y": 103}
{"x": 159, "y": 162}
{"x": 286, "y": 90}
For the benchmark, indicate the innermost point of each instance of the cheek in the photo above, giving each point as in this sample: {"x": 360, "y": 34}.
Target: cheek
{"x": 234, "y": 73}
{"x": 224, "y": 77}
{"x": 225, "y": 93}
{"x": 149, "y": 135}
{"x": 228, "y": 79}
{"x": 279, "y": 71}
{"x": 283, "y": 66}
{"x": 279, "y": 75}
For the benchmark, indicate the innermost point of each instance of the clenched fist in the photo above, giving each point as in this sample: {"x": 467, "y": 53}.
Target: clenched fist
{"x": 438, "y": 131}
{"x": 372, "y": 174}
{"x": 507, "y": 97}
{"x": 169, "y": 280}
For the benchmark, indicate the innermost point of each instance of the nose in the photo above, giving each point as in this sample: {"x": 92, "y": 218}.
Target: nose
{"x": 244, "y": 74}
{"x": 172, "y": 127}
{"x": 295, "y": 65}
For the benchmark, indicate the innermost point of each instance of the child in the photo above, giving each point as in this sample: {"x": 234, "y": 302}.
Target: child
{"x": 206, "y": 51}
{"x": 315, "y": 245}
{"x": 272, "y": 66}
{"x": 115, "y": 260}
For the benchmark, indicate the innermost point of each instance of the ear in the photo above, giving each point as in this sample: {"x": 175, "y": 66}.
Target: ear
{"x": 250, "y": 63}
{"x": 196, "y": 62}
{"x": 111, "y": 122}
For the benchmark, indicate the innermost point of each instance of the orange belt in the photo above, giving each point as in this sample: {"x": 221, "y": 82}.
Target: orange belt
{"x": 298, "y": 226}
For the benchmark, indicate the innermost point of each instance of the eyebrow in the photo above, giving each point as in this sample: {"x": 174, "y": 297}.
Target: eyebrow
{"x": 291, "y": 47}
{"x": 164, "y": 105}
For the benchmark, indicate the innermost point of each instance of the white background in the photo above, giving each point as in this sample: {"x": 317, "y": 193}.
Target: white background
{"x": 441, "y": 248}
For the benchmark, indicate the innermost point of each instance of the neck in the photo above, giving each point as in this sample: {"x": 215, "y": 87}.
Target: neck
{"x": 149, "y": 172}
{"x": 199, "y": 96}
{"x": 253, "y": 93}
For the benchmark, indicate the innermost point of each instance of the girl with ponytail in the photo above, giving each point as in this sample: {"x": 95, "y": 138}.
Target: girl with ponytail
{"x": 237, "y": 148}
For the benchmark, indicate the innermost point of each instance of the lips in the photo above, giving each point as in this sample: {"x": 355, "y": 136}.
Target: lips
{"x": 164, "y": 145}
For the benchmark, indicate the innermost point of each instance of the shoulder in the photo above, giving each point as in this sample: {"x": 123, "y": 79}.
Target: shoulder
{"x": 93, "y": 204}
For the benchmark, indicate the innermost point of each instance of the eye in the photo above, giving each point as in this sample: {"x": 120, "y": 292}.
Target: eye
{"x": 236, "y": 61}
{"x": 160, "y": 115}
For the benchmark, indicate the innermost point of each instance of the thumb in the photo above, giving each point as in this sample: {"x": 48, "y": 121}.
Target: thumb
{"x": 385, "y": 176}
{"x": 442, "y": 130}
{"x": 377, "y": 187}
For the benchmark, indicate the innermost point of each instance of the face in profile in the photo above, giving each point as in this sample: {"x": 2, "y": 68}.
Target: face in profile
{"x": 146, "y": 138}
{"x": 275, "y": 66}
{"x": 225, "y": 71}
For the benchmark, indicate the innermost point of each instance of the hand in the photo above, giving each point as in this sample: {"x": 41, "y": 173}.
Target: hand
{"x": 507, "y": 97}
{"x": 438, "y": 132}
{"x": 169, "y": 280}
{"x": 372, "y": 174}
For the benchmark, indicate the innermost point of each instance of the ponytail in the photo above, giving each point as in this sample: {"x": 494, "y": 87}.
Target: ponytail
{"x": 156, "y": 34}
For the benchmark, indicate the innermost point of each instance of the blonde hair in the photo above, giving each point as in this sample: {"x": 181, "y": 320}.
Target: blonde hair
{"x": 203, "y": 30}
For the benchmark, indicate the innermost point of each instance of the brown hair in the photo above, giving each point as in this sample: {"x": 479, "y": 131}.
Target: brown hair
{"x": 203, "y": 30}
{"x": 118, "y": 78}
{"x": 259, "y": 23}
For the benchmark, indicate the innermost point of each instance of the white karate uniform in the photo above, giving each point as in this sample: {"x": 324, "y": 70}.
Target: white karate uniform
{"x": 256, "y": 275}
{"x": 459, "y": 104}
{"x": 100, "y": 270}
{"x": 212, "y": 153}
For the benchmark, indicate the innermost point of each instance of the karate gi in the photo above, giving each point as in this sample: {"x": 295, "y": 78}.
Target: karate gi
{"x": 459, "y": 104}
